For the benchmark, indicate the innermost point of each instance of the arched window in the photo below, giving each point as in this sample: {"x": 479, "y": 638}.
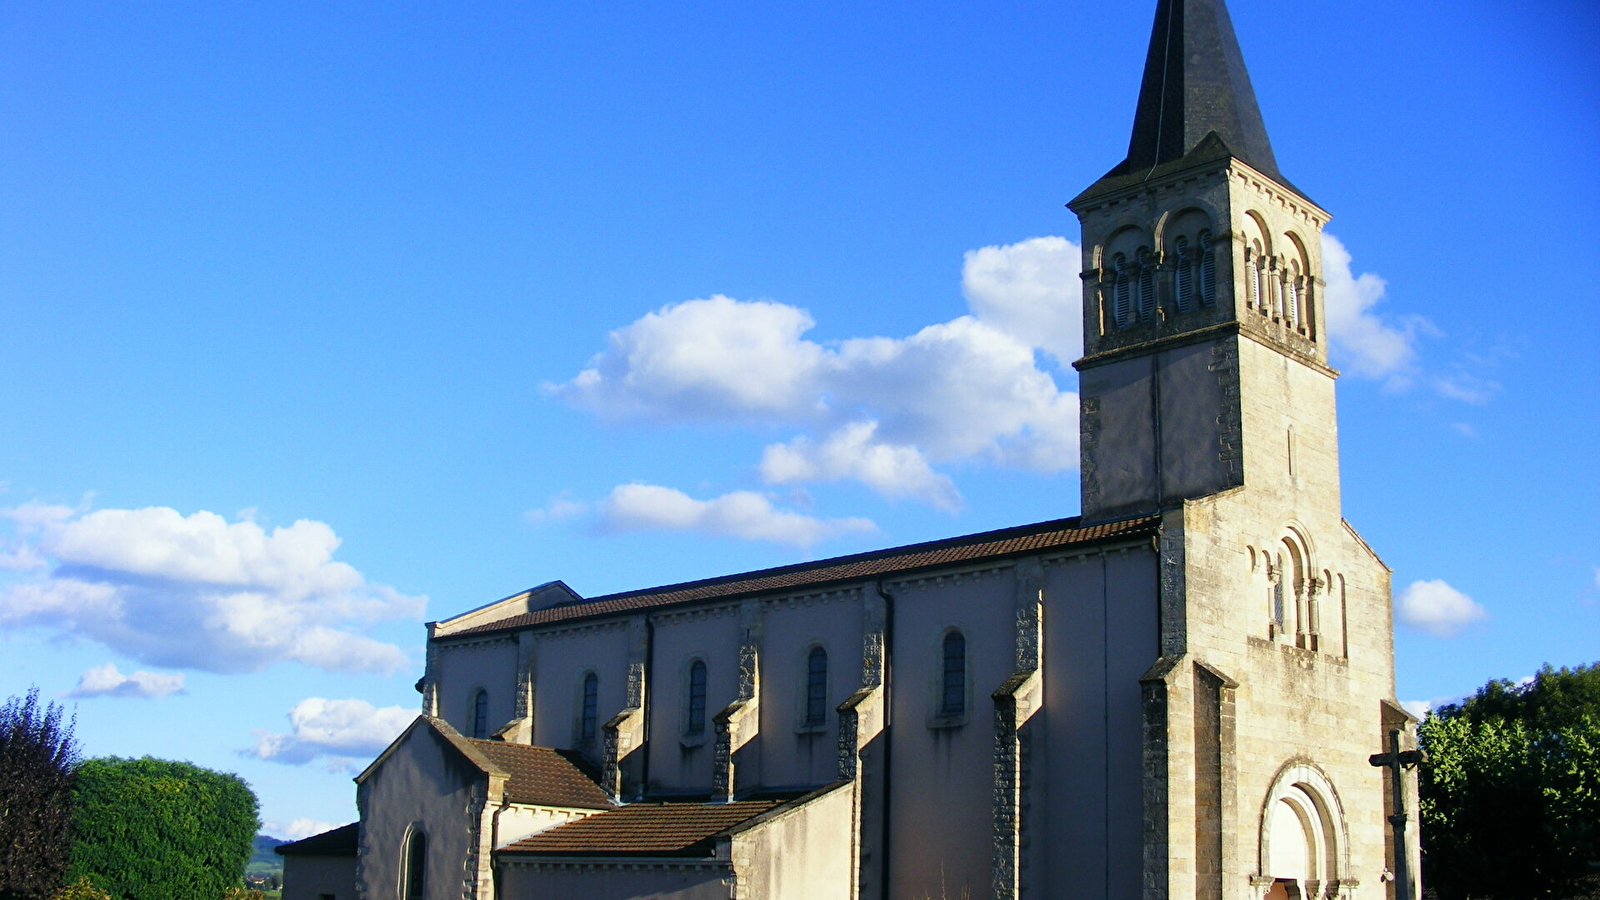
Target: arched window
{"x": 414, "y": 884}
{"x": 695, "y": 720}
{"x": 480, "y": 714}
{"x": 816, "y": 686}
{"x": 590, "y": 722}
{"x": 1185, "y": 275}
{"x": 1147, "y": 285}
{"x": 1121, "y": 292}
{"x": 953, "y": 697}
{"x": 1208, "y": 271}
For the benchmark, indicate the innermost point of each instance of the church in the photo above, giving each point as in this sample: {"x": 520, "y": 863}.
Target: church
{"x": 1173, "y": 695}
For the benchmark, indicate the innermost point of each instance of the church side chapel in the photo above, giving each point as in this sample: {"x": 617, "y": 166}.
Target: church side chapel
{"x": 1173, "y": 695}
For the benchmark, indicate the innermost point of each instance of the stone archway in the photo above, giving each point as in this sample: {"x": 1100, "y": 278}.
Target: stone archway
{"x": 1303, "y": 847}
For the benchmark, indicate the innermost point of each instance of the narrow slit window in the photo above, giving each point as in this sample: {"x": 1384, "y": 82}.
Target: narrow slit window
{"x": 1185, "y": 276}
{"x": 480, "y": 714}
{"x": 953, "y": 699}
{"x": 1147, "y": 286}
{"x": 591, "y": 707}
{"x": 816, "y": 686}
{"x": 695, "y": 722}
{"x": 1208, "y": 271}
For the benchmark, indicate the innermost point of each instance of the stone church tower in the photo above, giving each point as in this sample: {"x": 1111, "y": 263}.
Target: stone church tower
{"x": 1207, "y": 399}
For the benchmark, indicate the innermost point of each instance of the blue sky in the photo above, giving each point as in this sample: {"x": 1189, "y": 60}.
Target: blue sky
{"x": 296, "y": 299}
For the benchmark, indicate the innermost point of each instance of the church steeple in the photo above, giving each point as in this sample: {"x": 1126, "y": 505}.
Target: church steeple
{"x": 1195, "y": 85}
{"x": 1205, "y": 353}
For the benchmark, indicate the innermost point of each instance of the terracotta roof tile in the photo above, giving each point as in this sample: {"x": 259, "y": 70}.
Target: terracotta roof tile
{"x": 545, "y": 777}
{"x": 340, "y": 841}
{"x": 897, "y": 560}
{"x": 645, "y": 829}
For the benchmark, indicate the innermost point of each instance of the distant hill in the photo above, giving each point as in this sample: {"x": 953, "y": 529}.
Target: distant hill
{"x": 263, "y": 861}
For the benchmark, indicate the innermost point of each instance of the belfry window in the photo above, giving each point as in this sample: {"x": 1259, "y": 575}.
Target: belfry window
{"x": 1185, "y": 275}
{"x": 1121, "y": 292}
{"x": 953, "y": 694}
{"x": 415, "y": 884}
{"x": 1252, "y": 264}
{"x": 480, "y": 714}
{"x": 590, "y": 721}
{"x": 816, "y": 686}
{"x": 695, "y": 720}
{"x": 1208, "y": 271}
{"x": 1147, "y": 286}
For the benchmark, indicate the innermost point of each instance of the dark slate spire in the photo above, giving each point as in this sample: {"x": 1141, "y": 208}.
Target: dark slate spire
{"x": 1195, "y": 84}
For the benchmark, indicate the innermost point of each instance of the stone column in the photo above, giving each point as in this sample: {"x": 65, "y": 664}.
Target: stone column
{"x": 1014, "y": 704}
{"x": 740, "y": 723}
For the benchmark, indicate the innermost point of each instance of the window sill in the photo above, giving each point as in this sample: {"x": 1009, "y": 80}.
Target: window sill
{"x": 693, "y": 740}
{"x": 811, "y": 728}
{"x": 941, "y": 722}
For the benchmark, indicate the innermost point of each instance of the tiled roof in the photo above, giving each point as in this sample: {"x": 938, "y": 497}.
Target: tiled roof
{"x": 545, "y": 777}
{"x": 894, "y": 561}
{"x": 340, "y": 841}
{"x": 645, "y": 829}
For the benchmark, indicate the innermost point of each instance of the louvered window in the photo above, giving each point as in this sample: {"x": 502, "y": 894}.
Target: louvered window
{"x": 1208, "y": 271}
{"x": 1185, "y": 276}
{"x": 1122, "y": 299}
{"x": 695, "y": 721}
{"x": 1147, "y": 286}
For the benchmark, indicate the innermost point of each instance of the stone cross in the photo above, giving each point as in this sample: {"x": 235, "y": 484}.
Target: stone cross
{"x": 1397, "y": 761}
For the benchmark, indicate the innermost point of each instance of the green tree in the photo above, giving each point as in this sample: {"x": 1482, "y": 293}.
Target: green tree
{"x": 1511, "y": 792}
{"x": 37, "y": 756}
{"x": 154, "y": 829}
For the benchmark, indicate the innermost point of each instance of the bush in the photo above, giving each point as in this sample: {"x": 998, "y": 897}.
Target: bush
{"x": 1511, "y": 791}
{"x": 153, "y": 829}
{"x": 37, "y": 756}
{"x": 82, "y": 889}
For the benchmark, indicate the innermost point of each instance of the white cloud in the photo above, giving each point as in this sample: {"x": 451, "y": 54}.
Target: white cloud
{"x": 894, "y": 470}
{"x": 741, "y": 514}
{"x": 560, "y": 509}
{"x": 1031, "y": 291}
{"x": 107, "y": 681}
{"x": 341, "y": 733}
{"x": 199, "y": 592}
{"x": 1438, "y": 608}
{"x": 1418, "y": 708}
{"x": 882, "y": 411}
{"x": 1363, "y": 342}
{"x": 296, "y": 829}
{"x": 716, "y": 358}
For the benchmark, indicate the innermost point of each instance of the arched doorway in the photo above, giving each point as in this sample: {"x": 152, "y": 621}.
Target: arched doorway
{"x": 1302, "y": 834}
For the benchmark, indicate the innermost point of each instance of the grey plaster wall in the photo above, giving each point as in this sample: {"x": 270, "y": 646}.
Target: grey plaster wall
{"x": 792, "y": 754}
{"x": 562, "y": 659}
{"x": 1160, "y": 427}
{"x": 425, "y": 784}
{"x": 679, "y": 761}
{"x": 463, "y": 668}
{"x": 1100, "y": 635}
{"x": 313, "y": 877}
{"x": 941, "y": 774}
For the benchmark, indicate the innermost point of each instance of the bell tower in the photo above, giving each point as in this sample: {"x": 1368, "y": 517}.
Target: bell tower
{"x": 1205, "y": 353}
